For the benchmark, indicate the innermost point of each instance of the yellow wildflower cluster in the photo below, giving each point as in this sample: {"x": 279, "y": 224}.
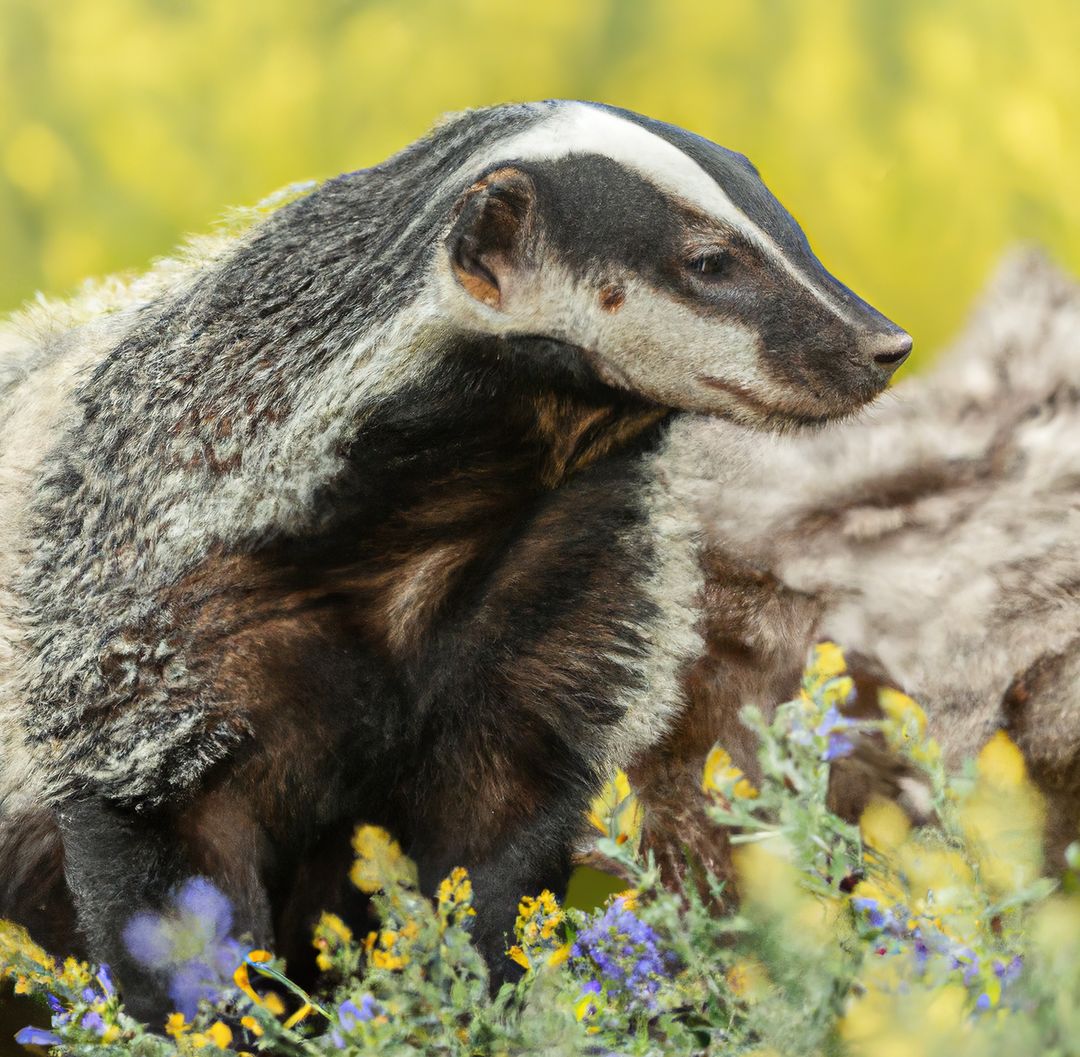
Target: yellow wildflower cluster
{"x": 22, "y": 959}
{"x": 905, "y": 726}
{"x": 390, "y": 948}
{"x": 455, "y": 897}
{"x": 217, "y": 1035}
{"x": 331, "y": 935}
{"x": 723, "y": 779}
{"x": 616, "y": 812}
{"x": 537, "y": 929}
{"x": 380, "y": 862}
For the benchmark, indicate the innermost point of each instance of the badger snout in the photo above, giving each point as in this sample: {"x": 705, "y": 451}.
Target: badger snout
{"x": 887, "y": 348}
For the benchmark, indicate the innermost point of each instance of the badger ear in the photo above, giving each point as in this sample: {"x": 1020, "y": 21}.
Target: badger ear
{"x": 491, "y": 235}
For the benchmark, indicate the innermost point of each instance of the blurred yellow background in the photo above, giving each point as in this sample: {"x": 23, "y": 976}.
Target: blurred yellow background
{"x": 913, "y": 140}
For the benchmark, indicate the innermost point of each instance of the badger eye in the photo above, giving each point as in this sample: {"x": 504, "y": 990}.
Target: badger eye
{"x": 712, "y": 264}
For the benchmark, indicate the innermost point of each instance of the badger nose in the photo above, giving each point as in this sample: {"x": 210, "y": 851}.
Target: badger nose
{"x": 887, "y": 348}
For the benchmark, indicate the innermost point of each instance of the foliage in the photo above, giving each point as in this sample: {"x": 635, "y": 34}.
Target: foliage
{"x": 914, "y": 140}
{"x": 876, "y": 939}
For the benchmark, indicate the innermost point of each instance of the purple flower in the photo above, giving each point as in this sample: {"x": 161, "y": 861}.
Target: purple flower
{"x": 36, "y": 1037}
{"x": 92, "y": 1022}
{"x": 983, "y": 1001}
{"x": 201, "y": 899}
{"x": 190, "y": 942}
{"x": 349, "y": 1014}
{"x": 627, "y": 954}
{"x": 877, "y": 917}
{"x": 833, "y": 725}
{"x": 839, "y": 746}
{"x": 1008, "y": 972}
{"x": 107, "y": 987}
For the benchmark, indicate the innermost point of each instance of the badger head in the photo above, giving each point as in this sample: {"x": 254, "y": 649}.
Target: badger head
{"x": 666, "y": 264}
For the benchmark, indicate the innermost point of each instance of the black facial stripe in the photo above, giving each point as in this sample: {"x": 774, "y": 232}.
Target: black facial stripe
{"x": 586, "y": 200}
{"x": 742, "y": 183}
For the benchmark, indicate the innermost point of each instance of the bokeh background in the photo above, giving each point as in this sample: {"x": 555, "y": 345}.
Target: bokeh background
{"x": 914, "y": 140}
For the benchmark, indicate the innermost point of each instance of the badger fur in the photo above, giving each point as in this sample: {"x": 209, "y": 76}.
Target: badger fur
{"x": 382, "y": 511}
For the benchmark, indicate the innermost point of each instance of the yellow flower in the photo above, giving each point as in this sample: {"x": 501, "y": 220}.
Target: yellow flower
{"x": 884, "y": 826}
{"x": 274, "y": 1003}
{"x": 455, "y": 896}
{"x": 382, "y": 959}
{"x": 628, "y": 898}
{"x": 380, "y": 862}
{"x": 332, "y": 923}
{"x": 826, "y": 662}
{"x": 559, "y": 955}
{"x": 903, "y": 711}
{"x": 616, "y": 811}
{"x": 722, "y": 778}
{"x": 217, "y": 1034}
{"x": 111, "y": 1034}
{"x": 175, "y": 1025}
{"x": 252, "y": 1025}
{"x": 536, "y": 928}
{"x": 519, "y": 956}
{"x": 1001, "y": 764}
{"x": 747, "y": 979}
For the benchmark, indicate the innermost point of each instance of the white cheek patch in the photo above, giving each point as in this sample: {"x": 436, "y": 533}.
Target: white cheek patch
{"x": 663, "y": 345}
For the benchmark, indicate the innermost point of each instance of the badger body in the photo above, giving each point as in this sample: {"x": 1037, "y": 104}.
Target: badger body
{"x": 380, "y": 512}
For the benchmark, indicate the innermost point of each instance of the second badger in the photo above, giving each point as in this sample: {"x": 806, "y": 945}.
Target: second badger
{"x": 372, "y": 516}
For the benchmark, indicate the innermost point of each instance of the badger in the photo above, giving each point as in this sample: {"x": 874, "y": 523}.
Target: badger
{"x": 380, "y": 512}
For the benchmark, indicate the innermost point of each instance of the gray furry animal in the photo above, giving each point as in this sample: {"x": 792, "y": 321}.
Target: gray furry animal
{"x": 937, "y": 538}
{"x": 380, "y": 512}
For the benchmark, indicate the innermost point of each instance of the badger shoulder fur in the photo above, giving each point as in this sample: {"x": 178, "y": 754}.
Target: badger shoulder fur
{"x": 936, "y": 538}
{"x": 381, "y": 513}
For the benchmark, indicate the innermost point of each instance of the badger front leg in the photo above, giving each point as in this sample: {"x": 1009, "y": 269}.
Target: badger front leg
{"x": 119, "y": 863}
{"x": 511, "y": 815}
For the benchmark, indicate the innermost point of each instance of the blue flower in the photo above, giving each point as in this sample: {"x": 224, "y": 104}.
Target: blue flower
{"x": 190, "y": 943}
{"x": 92, "y": 1022}
{"x": 627, "y": 955}
{"x": 839, "y": 746}
{"x": 833, "y": 725}
{"x": 107, "y": 987}
{"x": 877, "y": 917}
{"x": 349, "y": 1014}
{"x": 1008, "y": 972}
{"x": 36, "y": 1037}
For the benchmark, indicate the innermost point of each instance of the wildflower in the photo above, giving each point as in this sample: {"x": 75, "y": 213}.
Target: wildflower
{"x": 349, "y": 1015}
{"x": 217, "y": 1034}
{"x": 252, "y": 1025}
{"x": 105, "y": 980}
{"x": 455, "y": 897}
{"x": 380, "y": 862}
{"x": 723, "y": 778}
{"x": 833, "y": 726}
{"x": 190, "y": 942}
{"x": 37, "y": 1037}
{"x": 627, "y": 954}
{"x": 586, "y": 1004}
{"x": 92, "y": 1022}
{"x": 537, "y": 930}
{"x": 176, "y": 1025}
{"x": 392, "y": 951}
{"x": 616, "y": 811}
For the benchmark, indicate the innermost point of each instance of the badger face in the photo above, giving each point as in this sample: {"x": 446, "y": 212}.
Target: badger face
{"x": 666, "y": 261}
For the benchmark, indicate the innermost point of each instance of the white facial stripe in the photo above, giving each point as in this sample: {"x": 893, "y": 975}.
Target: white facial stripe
{"x": 581, "y": 128}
